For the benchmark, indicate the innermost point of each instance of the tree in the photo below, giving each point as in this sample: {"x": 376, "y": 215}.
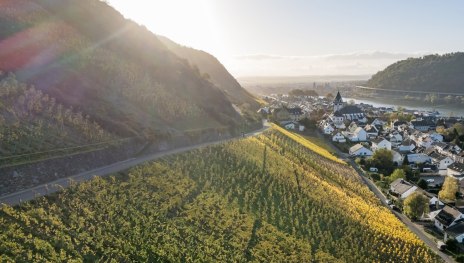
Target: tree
{"x": 406, "y": 160}
{"x": 398, "y": 173}
{"x": 383, "y": 160}
{"x": 449, "y": 189}
{"x": 330, "y": 96}
{"x": 422, "y": 184}
{"x": 415, "y": 205}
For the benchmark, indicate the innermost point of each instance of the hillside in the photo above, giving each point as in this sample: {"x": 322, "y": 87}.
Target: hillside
{"x": 33, "y": 122}
{"x": 215, "y": 71}
{"x": 432, "y": 73}
{"x": 261, "y": 199}
{"x": 88, "y": 57}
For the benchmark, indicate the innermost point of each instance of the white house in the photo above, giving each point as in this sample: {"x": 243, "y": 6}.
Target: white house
{"x": 338, "y": 137}
{"x": 327, "y": 128}
{"x": 436, "y": 137}
{"x": 395, "y": 138}
{"x": 380, "y": 143}
{"x": 338, "y": 120}
{"x": 407, "y": 145}
{"x": 361, "y": 151}
{"x": 447, "y": 217}
{"x": 456, "y": 170}
{"x": 371, "y": 131}
{"x": 419, "y": 158}
{"x": 402, "y": 188}
{"x": 442, "y": 162}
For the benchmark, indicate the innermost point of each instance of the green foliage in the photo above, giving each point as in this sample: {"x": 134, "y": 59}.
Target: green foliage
{"x": 415, "y": 205}
{"x": 449, "y": 189}
{"x": 31, "y": 121}
{"x": 234, "y": 202}
{"x": 422, "y": 184}
{"x": 398, "y": 173}
{"x": 432, "y": 73}
{"x": 382, "y": 160}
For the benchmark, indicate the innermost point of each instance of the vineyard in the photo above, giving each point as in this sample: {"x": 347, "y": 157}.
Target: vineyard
{"x": 266, "y": 198}
{"x": 32, "y": 124}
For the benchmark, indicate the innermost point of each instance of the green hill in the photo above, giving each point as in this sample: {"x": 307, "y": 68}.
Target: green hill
{"x": 88, "y": 57}
{"x": 262, "y": 199}
{"x": 432, "y": 73}
{"x": 216, "y": 72}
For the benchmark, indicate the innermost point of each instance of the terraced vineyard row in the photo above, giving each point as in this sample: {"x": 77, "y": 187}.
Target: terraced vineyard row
{"x": 268, "y": 198}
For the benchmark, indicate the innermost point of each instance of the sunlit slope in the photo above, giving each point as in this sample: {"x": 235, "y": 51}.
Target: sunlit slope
{"x": 88, "y": 56}
{"x": 257, "y": 199}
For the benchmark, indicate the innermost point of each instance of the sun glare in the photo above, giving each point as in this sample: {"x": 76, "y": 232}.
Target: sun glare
{"x": 190, "y": 23}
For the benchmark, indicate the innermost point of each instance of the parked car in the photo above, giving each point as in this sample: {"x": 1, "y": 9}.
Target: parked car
{"x": 430, "y": 180}
{"x": 373, "y": 169}
{"x": 441, "y": 245}
{"x": 389, "y": 202}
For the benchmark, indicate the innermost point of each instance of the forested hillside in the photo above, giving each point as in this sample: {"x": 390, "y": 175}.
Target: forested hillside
{"x": 432, "y": 73}
{"x": 87, "y": 56}
{"x": 269, "y": 198}
{"x": 216, "y": 72}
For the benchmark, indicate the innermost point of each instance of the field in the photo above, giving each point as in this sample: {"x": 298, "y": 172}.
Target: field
{"x": 274, "y": 197}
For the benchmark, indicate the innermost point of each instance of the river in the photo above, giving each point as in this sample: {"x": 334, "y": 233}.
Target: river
{"x": 444, "y": 109}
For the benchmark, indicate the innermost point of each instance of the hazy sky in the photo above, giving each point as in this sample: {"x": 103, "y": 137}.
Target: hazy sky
{"x": 305, "y": 37}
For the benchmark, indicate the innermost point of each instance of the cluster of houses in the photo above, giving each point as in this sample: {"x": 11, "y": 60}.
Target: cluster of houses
{"x": 449, "y": 220}
{"x": 415, "y": 143}
{"x": 416, "y": 140}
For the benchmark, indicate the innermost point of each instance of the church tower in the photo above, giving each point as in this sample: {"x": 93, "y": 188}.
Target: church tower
{"x": 338, "y": 102}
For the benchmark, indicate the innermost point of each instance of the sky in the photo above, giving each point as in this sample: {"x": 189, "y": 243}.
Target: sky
{"x": 305, "y": 37}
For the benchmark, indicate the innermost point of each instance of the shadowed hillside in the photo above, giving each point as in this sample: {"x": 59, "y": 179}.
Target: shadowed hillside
{"x": 216, "y": 72}
{"x": 87, "y": 56}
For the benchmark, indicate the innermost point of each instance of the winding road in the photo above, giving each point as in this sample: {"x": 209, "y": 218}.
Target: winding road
{"x": 55, "y": 186}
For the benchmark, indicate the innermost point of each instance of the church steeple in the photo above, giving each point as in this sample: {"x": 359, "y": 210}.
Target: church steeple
{"x": 338, "y": 102}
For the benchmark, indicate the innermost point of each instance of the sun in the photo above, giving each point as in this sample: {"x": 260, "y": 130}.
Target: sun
{"x": 190, "y": 23}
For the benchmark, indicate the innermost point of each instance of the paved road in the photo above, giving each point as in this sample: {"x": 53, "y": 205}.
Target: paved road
{"x": 428, "y": 241}
{"x": 44, "y": 189}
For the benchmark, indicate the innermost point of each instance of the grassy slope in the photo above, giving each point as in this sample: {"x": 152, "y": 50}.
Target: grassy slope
{"x": 220, "y": 203}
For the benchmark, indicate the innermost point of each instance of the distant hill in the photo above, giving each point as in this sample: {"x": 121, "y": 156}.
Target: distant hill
{"x": 89, "y": 57}
{"x": 432, "y": 73}
{"x": 212, "y": 69}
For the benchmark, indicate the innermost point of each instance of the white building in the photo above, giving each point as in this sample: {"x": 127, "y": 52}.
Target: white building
{"x": 338, "y": 137}
{"x": 447, "y": 217}
{"x": 361, "y": 151}
{"x": 456, "y": 170}
{"x": 402, "y": 188}
{"x": 419, "y": 158}
{"x": 380, "y": 143}
{"x": 407, "y": 146}
{"x": 327, "y": 129}
{"x": 442, "y": 162}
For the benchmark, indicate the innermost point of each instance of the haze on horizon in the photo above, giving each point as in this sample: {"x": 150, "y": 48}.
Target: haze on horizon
{"x": 300, "y": 37}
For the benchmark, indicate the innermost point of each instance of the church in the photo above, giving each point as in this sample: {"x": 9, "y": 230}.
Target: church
{"x": 342, "y": 113}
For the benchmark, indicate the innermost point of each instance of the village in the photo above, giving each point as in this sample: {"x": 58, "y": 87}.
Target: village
{"x": 415, "y": 158}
